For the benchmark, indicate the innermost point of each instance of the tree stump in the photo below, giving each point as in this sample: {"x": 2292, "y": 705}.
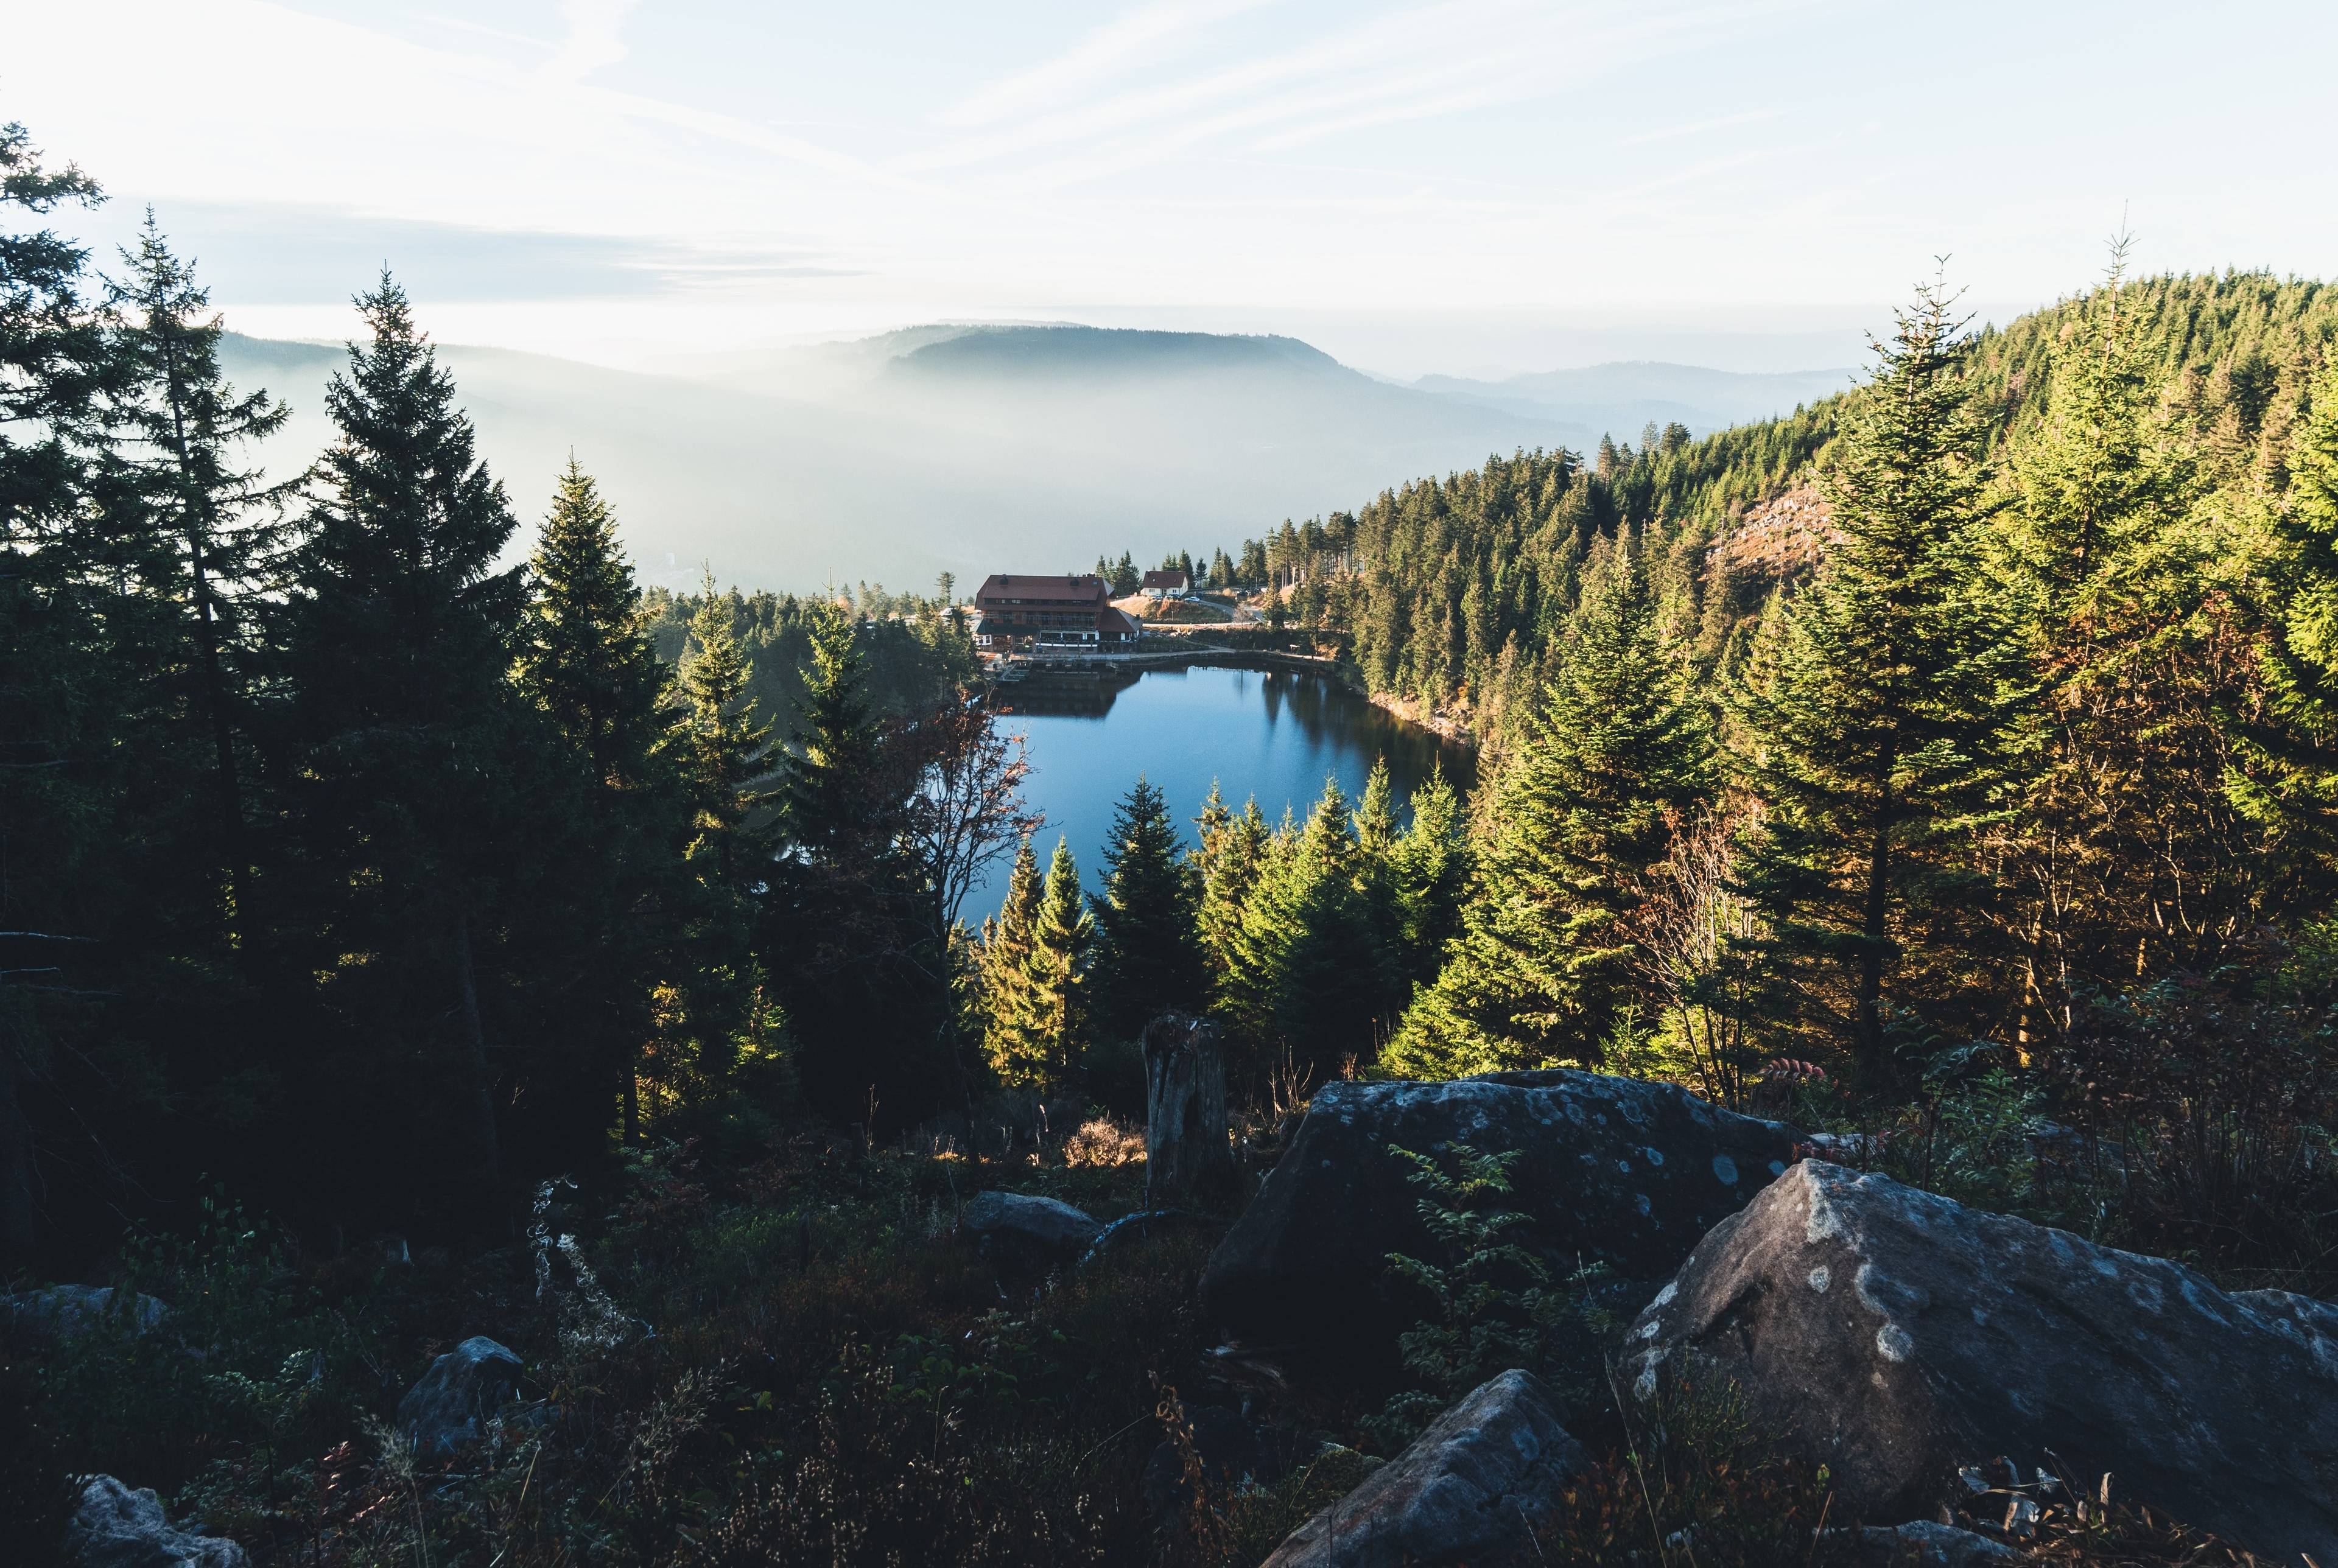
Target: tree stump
{"x": 1187, "y": 1159}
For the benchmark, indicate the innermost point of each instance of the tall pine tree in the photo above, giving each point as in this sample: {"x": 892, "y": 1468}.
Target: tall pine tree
{"x": 2294, "y": 789}
{"x": 587, "y": 662}
{"x": 1886, "y": 735}
{"x": 1546, "y": 959}
{"x": 181, "y": 472}
{"x": 1062, "y": 933}
{"x": 62, "y": 733}
{"x": 407, "y": 764}
{"x": 1146, "y": 954}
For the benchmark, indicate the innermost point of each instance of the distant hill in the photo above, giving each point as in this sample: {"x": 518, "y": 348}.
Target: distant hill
{"x": 972, "y": 449}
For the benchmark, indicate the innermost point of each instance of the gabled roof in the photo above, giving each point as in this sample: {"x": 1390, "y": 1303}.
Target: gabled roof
{"x": 1000, "y": 587}
{"x": 1166, "y": 579}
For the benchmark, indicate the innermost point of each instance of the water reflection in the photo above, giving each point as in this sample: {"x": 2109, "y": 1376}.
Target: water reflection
{"x": 1275, "y": 734}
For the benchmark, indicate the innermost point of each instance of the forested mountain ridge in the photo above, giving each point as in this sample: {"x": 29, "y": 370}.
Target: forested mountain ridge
{"x": 1453, "y": 586}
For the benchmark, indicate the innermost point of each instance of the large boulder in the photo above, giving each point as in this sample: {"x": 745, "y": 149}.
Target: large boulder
{"x": 117, "y": 1526}
{"x": 61, "y": 1314}
{"x": 453, "y": 1402}
{"x": 1895, "y": 1337}
{"x": 1487, "y": 1476}
{"x": 1021, "y": 1230}
{"x": 1609, "y": 1170}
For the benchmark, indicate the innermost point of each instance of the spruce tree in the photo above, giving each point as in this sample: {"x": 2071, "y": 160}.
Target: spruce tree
{"x": 846, "y": 933}
{"x": 183, "y": 424}
{"x": 723, "y": 745}
{"x": 1308, "y": 974}
{"x": 586, "y": 659}
{"x": 61, "y": 726}
{"x": 1062, "y": 932}
{"x": 1428, "y": 868}
{"x": 2293, "y": 788}
{"x": 1546, "y": 958}
{"x": 1147, "y": 957}
{"x": 1887, "y": 733}
{"x": 1231, "y": 850}
{"x": 1010, "y": 1039}
{"x": 407, "y": 771}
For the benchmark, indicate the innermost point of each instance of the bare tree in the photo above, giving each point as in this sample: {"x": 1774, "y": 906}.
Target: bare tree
{"x": 1696, "y": 927}
{"x": 967, "y": 809}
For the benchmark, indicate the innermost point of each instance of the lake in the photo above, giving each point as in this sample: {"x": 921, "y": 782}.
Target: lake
{"x": 1273, "y": 733}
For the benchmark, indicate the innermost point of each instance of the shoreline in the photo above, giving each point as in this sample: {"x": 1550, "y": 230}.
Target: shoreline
{"x": 1099, "y": 666}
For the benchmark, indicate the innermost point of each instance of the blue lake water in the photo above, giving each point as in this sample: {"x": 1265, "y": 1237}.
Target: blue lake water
{"x": 1273, "y": 734}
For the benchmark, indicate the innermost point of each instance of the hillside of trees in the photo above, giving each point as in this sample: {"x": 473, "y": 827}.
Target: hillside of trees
{"x": 399, "y": 945}
{"x": 1454, "y": 588}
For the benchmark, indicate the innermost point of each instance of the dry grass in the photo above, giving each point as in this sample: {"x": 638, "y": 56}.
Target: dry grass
{"x": 1101, "y": 1142}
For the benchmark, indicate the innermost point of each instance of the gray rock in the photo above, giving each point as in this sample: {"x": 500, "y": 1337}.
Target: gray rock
{"x": 1610, "y": 1169}
{"x": 1017, "y": 1230}
{"x": 1485, "y": 1480}
{"x": 452, "y": 1403}
{"x": 1924, "y": 1545}
{"x": 115, "y": 1526}
{"x": 1894, "y": 1336}
{"x": 61, "y": 1314}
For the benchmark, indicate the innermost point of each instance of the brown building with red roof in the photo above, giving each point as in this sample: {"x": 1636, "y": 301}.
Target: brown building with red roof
{"x": 1070, "y": 613}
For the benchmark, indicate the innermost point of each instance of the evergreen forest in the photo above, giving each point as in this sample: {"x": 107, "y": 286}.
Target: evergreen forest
{"x": 413, "y": 928}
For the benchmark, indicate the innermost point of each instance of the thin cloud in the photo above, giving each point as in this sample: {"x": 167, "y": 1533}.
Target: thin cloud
{"x": 1698, "y": 128}
{"x": 595, "y": 38}
{"x": 1428, "y": 62}
{"x": 1103, "y": 54}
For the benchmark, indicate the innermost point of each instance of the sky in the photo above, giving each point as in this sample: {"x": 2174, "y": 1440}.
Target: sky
{"x": 1464, "y": 186}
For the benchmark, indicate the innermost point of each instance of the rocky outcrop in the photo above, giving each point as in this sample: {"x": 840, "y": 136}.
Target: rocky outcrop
{"x": 1895, "y": 1337}
{"x": 61, "y": 1314}
{"x": 1485, "y": 1477}
{"x": 117, "y": 1526}
{"x": 1609, "y": 1170}
{"x": 1781, "y": 538}
{"x": 1020, "y": 1231}
{"x": 453, "y": 1402}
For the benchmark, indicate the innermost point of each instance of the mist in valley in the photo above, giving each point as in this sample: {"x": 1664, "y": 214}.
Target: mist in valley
{"x": 976, "y": 448}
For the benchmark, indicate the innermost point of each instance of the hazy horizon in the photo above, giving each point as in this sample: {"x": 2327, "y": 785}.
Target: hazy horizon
{"x": 1473, "y": 188}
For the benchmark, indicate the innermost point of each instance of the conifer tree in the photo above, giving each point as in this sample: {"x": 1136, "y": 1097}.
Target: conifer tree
{"x": 410, "y": 769}
{"x": 724, "y": 745}
{"x": 1232, "y": 850}
{"x": 1308, "y": 976}
{"x": 1377, "y": 827}
{"x": 1061, "y": 934}
{"x": 1545, "y": 960}
{"x": 2294, "y": 789}
{"x": 1011, "y": 1039}
{"x": 1147, "y": 957}
{"x": 586, "y": 659}
{"x": 184, "y": 424}
{"x": 1430, "y": 869}
{"x": 2119, "y": 582}
{"x": 846, "y": 933}
{"x": 59, "y": 725}
{"x": 1896, "y": 709}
